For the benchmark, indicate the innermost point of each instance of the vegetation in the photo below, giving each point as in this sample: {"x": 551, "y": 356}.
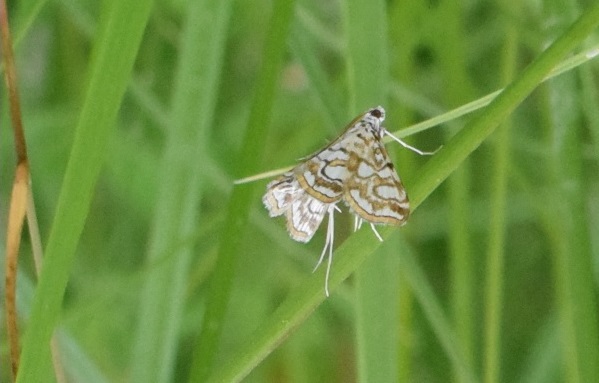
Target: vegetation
{"x": 157, "y": 268}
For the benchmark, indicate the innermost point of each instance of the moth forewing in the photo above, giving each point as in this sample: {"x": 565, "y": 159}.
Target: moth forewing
{"x": 324, "y": 175}
{"x": 377, "y": 209}
{"x": 374, "y": 191}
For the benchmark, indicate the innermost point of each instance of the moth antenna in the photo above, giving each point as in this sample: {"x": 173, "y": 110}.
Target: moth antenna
{"x": 405, "y": 145}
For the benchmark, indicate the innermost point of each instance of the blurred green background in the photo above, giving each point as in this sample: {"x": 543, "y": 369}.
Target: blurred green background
{"x": 493, "y": 279}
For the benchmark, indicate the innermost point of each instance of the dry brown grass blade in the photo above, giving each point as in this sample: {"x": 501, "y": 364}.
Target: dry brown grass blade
{"x": 18, "y": 207}
{"x": 21, "y": 204}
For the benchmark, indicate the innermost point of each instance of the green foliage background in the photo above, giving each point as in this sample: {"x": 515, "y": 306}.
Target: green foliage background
{"x": 140, "y": 115}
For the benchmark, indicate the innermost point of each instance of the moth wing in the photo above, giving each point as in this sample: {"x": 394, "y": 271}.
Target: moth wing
{"x": 280, "y": 193}
{"x": 324, "y": 174}
{"x": 304, "y": 213}
{"x": 374, "y": 191}
{"x": 304, "y": 217}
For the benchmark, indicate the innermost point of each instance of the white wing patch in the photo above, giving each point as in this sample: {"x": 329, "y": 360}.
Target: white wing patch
{"x": 304, "y": 213}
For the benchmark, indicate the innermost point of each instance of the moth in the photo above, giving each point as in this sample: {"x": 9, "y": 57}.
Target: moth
{"x": 354, "y": 168}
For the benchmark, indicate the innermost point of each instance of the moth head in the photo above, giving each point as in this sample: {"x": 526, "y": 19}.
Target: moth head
{"x": 374, "y": 119}
{"x": 378, "y": 113}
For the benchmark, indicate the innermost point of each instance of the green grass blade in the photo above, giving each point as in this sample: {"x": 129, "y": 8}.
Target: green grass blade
{"x": 175, "y": 216}
{"x": 305, "y": 298}
{"x": 439, "y": 321}
{"x": 114, "y": 54}
{"x": 249, "y": 160}
{"x": 573, "y": 268}
{"x": 590, "y": 100}
{"x": 543, "y": 364}
{"x": 497, "y": 228}
{"x": 366, "y": 45}
{"x": 377, "y": 301}
{"x": 80, "y": 366}
{"x": 302, "y": 49}
{"x": 402, "y": 27}
{"x": 377, "y": 293}
{"x": 452, "y": 50}
{"x": 26, "y": 14}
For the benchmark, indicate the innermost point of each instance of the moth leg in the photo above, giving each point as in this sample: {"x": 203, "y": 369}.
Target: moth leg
{"x": 328, "y": 244}
{"x": 376, "y": 232}
{"x": 357, "y": 222}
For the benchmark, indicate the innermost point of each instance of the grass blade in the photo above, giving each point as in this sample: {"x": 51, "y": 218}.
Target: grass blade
{"x": 249, "y": 160}
{"x": 576, "y": 300}
{"x": 497, "y": 229}
{"x": 377, "y": 292}
{"x": 439, "y": 321}
{"x": 196, "y": 90}
{"x": 451, "y": 48}
{"x": 114, "y": 54}
{"x": 300, "y": 46}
